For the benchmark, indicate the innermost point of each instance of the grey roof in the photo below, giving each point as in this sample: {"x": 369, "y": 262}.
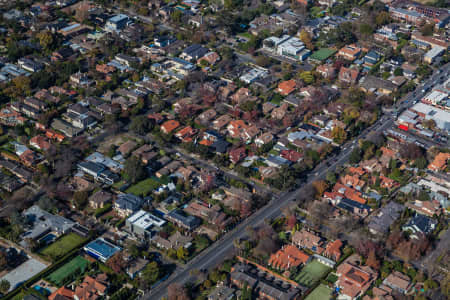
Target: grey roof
{"x": 385, "y": 217}
{"x": 128, "y": 202}
{"x": 421, "y": 222}
{"x": 24, "y": 272}
{"x": 43, "y": 221}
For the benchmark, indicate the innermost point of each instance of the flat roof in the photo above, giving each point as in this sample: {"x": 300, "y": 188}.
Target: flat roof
{"x": 118, "y": 18}
{"x": 102, "y": 248}
{"x": 145, "y": 220}
{"x": 24, "y": 272}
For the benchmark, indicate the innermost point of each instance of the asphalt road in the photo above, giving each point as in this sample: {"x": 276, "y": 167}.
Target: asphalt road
{"x": 220, "y": 249}
{"x": 215, "y": 254}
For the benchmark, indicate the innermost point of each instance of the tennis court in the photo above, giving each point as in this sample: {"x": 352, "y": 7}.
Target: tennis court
{"x": 323, "y": 54}
{"x": 322, "y": 292}
{"x": 312, "y": 273}
{"x": 76, "y": 265}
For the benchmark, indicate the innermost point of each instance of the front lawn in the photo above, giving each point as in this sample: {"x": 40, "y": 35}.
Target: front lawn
{"x": 62, "y": 246}
{"x": 144, "y": 187}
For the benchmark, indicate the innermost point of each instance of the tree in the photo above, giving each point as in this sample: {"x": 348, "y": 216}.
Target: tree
{"x": 339, "y": 134}
{"x": 355, "y": 156}
{"x": 372, "y": 260}
{"x": 133, "y": 170}
{"x": 427, "y": 29}
{"x": 182, "y": 253}
{"x": 3, "y": 261}
{"x": 320, "y": 186}
{"x": 382, "y": 18}
{"x": 45, "y": 39}
{"x": 80, "y": 199}
{"x": 150, "y": 274}
{"x": 141, "y": 125}
{"x": 307, "y": 77}
{"x": 4, "y": 286}
{"x": 398, "y": 72}
{"x": 116, "y": 263}
{"x": 21, "y": 86}
{"x": 365, "y": 29}
{"x": 305, "y": 37}
{"x": 331, "y": 178}
{"x": 176, "y": 291}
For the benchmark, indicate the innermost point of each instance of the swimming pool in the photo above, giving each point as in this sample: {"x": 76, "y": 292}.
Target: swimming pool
{"x": 42, "y": 290}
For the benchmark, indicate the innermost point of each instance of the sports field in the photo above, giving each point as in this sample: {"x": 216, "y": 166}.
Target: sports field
{"x": 78, "y": 264}
{"x": 312, "y": 273}
{"x": 62, "y": 246}
{"x": 322, "y": 292}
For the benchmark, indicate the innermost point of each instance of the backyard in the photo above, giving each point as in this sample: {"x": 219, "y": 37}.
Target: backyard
{"x": 144, "y": 187}
{"x": 322, "y": 292}
{"x": 312, "y": 273}
{"x": 74, "y": 267}
{"x": 62, "y": 246}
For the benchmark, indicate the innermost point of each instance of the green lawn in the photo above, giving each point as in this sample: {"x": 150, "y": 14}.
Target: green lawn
{"x": 322, "y": 292}
{"x": 312, "y": 273}
{"x": 322, "y": 54}
{"x": 62, "y": 246}
{"x": 144, "y": 187}
{"x": 64, "y": 273}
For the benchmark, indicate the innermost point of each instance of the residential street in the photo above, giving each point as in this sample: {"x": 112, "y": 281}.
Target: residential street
{"x": 215, "y": 254}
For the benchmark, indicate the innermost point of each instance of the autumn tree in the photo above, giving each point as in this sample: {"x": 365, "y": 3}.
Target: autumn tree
{"x": 339, "y": 134}
{"x": 382, "y": 18}
{"x": 182, "y": 253}
{"x": 45, "y": 39}
{"x": 176, "y": 291}
{"x": 20, "y": 86}
{"x": 320, "y": 186}
{"x": 305, "y": 37}
{"x": 116, "y": 263}
{"x": 372, "y": 260}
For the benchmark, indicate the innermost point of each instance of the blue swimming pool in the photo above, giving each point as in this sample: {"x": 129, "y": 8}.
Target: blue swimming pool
{"x": 42, "y": 290}
{"x": 48, "y": 238}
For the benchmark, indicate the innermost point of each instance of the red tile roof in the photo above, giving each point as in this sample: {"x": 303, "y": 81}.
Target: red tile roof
{"x": 288, "y": 257}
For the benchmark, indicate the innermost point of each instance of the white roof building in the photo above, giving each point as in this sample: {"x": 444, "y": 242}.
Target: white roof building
{"x": 435, "y": 97}
{"x": 428, "y": 112}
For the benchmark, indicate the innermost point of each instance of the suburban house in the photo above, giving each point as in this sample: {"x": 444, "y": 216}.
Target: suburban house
{"x": 143, "y": 224}
{"x": 349, "y": 52}
{"x": 99, "y": 199}
{"x": 288, "y": 257}
{"x": 174, "y": 241}
{"x": 309, "y": 240}
{"x": 419, "y": 225}
{"x": 169, "y": 126}
{"x": 354, "y": 278}
{"x": 127, "y": 204}
{"x": 182, "y": 220}
{"x": 333, "y": 250}
{"x": 385, "y": 217}
{"x": 348, "y": 76}
{"x": 286, "y": 87}
{"x": 398, "y": 282}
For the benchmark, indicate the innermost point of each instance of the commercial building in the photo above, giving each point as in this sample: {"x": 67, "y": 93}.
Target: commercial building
{"x": 428, "y": 112}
